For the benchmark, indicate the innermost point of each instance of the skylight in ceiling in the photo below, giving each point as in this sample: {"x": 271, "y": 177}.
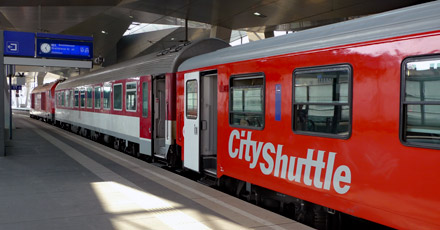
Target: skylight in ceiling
{"x": 137, "y": 28}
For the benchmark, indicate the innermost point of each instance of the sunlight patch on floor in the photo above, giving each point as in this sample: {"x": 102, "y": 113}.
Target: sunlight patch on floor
{"x": 127, "y": 204}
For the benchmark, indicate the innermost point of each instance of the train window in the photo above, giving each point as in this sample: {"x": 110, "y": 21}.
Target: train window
{"x": 97, "y": 97}
{"x": 191, "y": 99}
{"x": 57, "y": 99}
{"x": 67, "y": 98}
{"x": 71, "y": 98}
{"x": 145, "y": 99}
{"x": 83, "y": 98}
{"x": 63, "y": 98}
{"x": 89, "y": 98}
{"x": 246, "y": 106}
{"x": 117, "y": 97}
{"x": 76, "y": 99}
{"x": 421, "y": 102}
{"x": 106, "y": 99}
{"x": 130, "y": 96}
{"x": 322, "y": 101}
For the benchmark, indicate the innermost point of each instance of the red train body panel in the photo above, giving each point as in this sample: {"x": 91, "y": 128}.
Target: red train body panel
{"x": 42, "y": 101}
{"x": 369, "y": 173}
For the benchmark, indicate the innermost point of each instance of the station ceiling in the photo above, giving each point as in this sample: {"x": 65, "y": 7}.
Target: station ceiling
{"x": 107, "y": 20}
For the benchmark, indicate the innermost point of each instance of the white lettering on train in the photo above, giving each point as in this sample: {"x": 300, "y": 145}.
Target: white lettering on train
{"x": 292, "y": 168}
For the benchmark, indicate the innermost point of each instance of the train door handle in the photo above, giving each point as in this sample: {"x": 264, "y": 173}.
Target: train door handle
{"x": 195, "y": 130}
{"x": 149, "y": 130}
{"x": 204, "y": 125}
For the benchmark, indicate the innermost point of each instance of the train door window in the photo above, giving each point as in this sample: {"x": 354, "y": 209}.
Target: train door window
{"x": 420, "y": 102}
{"x": 117, "y": 96}
{"x": 83, "y": 98}
{"x": 144, "y": 99}
{"x": 322, "y": 101}
{"x": 191, "y": 99}
{"x": 246, "y": 104}
{"x": 76, "y": 99}
{"x": 97, "y": 97}
{"x": 130, "y": 96}
{"x": 107, "y": 94}
{"x": 89, "y": 98}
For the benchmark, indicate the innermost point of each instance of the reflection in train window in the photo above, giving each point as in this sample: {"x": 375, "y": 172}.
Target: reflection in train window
{"x": 247, "y": 101}
{"x": 421, "y": 102}
{"x": 106, "y": 99}
{"x": 117, "y": 97}
{"x": 322, "y": 101}
{"x": 130, "y": 96}
{"x": 191, "y": 99}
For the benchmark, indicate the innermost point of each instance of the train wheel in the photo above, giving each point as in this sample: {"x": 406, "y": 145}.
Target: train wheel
{"x": 117, "y": 144}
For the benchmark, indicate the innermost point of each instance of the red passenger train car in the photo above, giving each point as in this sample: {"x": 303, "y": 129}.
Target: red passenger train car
{"x": 42, "y": 102}
{"x": 345, "y": 116}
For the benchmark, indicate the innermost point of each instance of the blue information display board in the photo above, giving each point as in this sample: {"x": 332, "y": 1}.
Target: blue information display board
{"x": 51, "y": 48}
{"x": 19, "y": 44}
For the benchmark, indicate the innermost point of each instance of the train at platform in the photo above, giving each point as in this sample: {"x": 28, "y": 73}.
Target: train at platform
{"x": 331, "y": 125}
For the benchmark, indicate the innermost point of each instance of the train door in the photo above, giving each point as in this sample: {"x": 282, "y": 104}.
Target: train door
{"x": 191, "y": 121}
{"x": 145, "y": 119}
{"x": 159, "y": 116}
{"x": 43, "y": 102}
{"x": 200, "y": 119}
{"x": 208, "y": 122}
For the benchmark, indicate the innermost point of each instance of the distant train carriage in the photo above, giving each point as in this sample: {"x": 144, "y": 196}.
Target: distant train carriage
{"x": 42, "y": 102}
{"x": 345, "y": 116}
{"x": 130, "y": 105}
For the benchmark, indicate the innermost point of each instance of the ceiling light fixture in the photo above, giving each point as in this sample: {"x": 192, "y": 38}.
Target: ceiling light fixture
{"x": 258, "y": 14}
{"x": 103, "y": 31}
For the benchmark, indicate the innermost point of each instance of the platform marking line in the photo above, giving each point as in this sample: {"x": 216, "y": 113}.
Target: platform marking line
{"x": 108, "y": 175}
{"x": 176, "y": 183}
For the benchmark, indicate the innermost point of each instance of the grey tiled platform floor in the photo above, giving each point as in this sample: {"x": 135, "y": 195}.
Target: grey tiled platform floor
{"x": 78, "y": 184}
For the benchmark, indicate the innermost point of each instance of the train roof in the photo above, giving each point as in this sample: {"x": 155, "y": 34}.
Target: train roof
{"x": 163, "y": 62}
{"x": 410, "y": 20}
{"x": 44, "y": 88}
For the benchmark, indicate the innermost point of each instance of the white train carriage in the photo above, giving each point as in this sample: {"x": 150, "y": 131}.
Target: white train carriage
{"x": 131, "y": 104}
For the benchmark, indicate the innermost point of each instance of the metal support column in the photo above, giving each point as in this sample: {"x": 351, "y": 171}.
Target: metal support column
{"x": 2, "y": 97}
{"x": 11, "y": 71}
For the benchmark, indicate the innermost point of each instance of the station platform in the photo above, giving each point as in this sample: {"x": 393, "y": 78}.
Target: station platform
{"x": 54, "y": 179}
